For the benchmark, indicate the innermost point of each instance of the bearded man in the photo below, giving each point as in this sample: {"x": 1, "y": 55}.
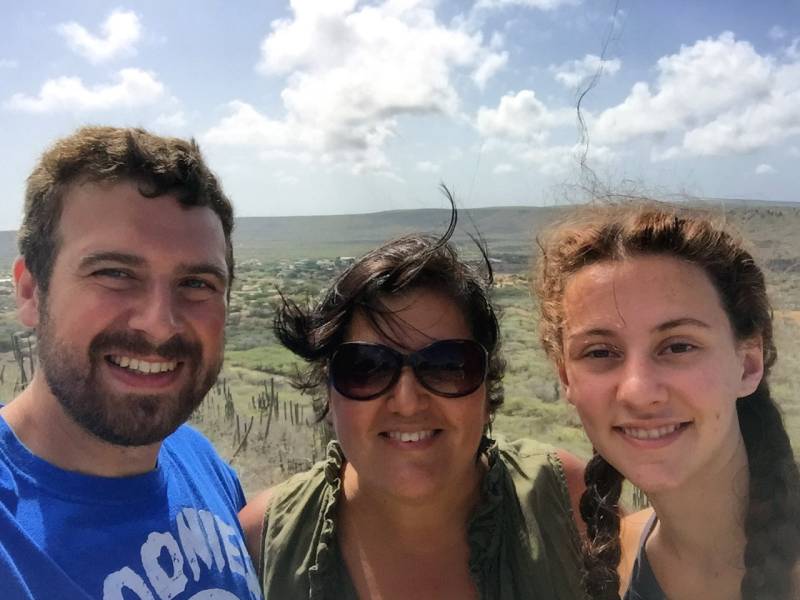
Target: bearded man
{"x": 125, "y": 273}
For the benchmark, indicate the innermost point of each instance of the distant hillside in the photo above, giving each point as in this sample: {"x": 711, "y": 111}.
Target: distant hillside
{"x": 328, "y": 236}
{"x": 773, "y": 228}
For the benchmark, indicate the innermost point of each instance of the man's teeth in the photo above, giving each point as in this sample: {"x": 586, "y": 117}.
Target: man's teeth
{"x": 414, "y": 436}
{"x": 143, "y": 366}
{"x": 650, "y": 434}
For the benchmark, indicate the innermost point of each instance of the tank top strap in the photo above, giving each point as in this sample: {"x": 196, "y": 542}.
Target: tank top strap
{"x": 643, "y": 584}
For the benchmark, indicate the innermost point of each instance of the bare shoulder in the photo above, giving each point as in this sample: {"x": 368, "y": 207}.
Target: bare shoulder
{"x": 574, "y": 468}
{"x": 632, "y": 526}
{"x": 796, "y": 577}
{"x": 630, "y": 532}
{"x": 251, "y": 518}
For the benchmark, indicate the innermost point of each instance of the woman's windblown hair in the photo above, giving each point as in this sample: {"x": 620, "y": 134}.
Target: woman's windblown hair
{"x": 407, "y": 263}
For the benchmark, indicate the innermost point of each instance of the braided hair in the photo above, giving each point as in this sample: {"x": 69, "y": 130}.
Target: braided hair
{"x": 614, "y": 232}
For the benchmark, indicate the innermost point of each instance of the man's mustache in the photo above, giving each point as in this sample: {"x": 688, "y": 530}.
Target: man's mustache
{"x": 176, "y": 348}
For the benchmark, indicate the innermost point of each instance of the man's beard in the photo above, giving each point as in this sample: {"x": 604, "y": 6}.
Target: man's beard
{"x": 122, "y": 419}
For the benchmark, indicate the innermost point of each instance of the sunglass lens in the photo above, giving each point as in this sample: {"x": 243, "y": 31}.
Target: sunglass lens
{"x": 362, "y": 371}
{"x": 452, "y": 367}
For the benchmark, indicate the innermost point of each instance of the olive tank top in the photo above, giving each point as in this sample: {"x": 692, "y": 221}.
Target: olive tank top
{"x": 523, "y": 541}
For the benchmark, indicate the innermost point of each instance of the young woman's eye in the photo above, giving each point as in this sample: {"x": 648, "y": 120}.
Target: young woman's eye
{"x": 599, "y": 353}
{"x": 680, "y": 348}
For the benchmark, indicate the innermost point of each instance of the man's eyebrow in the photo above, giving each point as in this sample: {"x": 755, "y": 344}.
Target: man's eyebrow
{"x": 95, "y": 258}
{"x": 204, "y": 269}
{"x": 133, "y": 260}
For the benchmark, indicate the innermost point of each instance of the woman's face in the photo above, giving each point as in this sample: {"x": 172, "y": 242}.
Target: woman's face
{"x": 442, "y": 434}
{"x": 652, "y": 366}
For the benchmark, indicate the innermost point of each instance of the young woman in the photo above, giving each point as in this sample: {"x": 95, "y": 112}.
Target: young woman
{"x": 414, "y": 501}
{"x": 658, "y": 321}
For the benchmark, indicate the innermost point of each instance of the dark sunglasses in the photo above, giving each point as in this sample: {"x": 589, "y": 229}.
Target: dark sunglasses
{"x": 451, "y": 368}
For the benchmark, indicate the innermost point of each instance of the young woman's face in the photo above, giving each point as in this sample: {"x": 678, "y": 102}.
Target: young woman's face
{"x": 651, "y": 364}
{"x": 410, "y": 442}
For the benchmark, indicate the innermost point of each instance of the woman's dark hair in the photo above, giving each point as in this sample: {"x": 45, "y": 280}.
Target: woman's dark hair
{"x": 411, "y": 262}
{"x": 614, "y": 232}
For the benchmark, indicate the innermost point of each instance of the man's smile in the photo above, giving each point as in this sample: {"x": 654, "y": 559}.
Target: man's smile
{"x": 141, "y": 365}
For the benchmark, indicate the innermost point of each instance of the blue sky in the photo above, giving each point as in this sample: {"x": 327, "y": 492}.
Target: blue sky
{"x": 340, "y": 106}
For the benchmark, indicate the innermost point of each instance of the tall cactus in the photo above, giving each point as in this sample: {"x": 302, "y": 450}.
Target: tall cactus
{"x": 19, "y": 351}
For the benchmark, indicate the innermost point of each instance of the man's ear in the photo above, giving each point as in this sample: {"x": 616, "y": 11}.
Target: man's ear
{"x": 751, "y": 355}
{"x": 27, "y": 294}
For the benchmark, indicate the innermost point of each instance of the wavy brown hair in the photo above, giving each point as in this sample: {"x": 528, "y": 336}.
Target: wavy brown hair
{"x": 614, "y": 232}
{"x": 158, "y": 165}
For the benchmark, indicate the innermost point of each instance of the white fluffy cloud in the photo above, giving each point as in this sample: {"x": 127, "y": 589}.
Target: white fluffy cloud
{"x": 491, "y": 64}
{"x": 561, "y": 159}
{"x": 245, "y": 125}
{"x": 119, "y": 34}
{"x": 351, "y": 70}
{"x": 719, "y": 95}
{"x": 764, "y": 169}
{"x": 133, "y": 88}
{"x": 521, "y": 127}
{"x": 573, "y": 72}
{"x": 700, "y": 81}
{"x": 521, "y": 116}
{"x": 173, "y": 121}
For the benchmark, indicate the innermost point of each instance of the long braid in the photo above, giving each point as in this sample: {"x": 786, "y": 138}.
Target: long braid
{"x": 772, "y": 523}
{"x": 600, "y": 511}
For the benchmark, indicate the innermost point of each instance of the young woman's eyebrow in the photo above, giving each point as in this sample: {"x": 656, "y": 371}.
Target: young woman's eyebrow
{"x": 673, "y": 323}
{"x": 593, "y": 332}
{"x": 667, "y": 325}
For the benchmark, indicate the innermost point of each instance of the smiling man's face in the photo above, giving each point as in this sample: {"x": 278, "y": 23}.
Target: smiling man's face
{"x": 131, "y": 331}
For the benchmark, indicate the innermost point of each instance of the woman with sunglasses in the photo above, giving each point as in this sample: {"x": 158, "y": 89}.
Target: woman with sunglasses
{"x": 658, "y": 321}
{"x": 413, "y": 501}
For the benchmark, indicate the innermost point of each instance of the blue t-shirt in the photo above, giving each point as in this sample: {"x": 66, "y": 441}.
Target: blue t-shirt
{"x": 170, "y": 534}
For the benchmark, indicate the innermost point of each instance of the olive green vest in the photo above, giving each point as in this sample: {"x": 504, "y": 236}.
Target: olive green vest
{"x": 523, "y": 541}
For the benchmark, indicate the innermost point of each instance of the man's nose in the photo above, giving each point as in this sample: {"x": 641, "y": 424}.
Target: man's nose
{"x": 157, "y": 314}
